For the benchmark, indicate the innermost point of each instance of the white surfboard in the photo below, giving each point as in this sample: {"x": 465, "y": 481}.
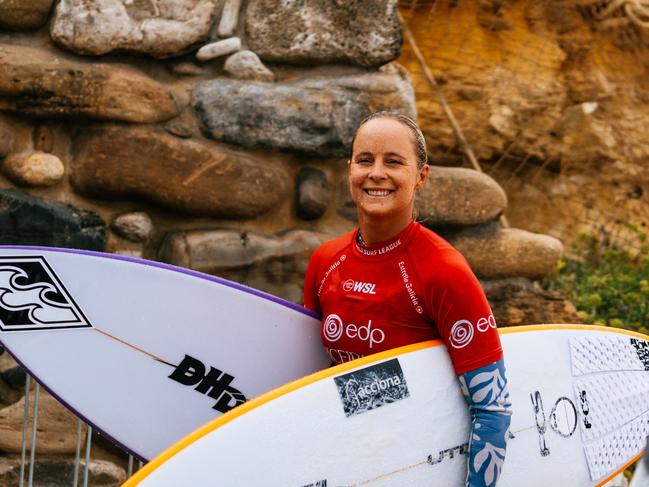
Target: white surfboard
{"x": 143, "y": 351}
{"x": 580, "y": 397}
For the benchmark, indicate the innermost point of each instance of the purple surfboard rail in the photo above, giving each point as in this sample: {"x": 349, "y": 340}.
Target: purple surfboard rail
{"x": 160, "y": 265}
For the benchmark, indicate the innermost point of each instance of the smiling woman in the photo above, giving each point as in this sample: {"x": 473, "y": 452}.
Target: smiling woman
{"x": 392, "y": 282}
{"x": 386, "y": 168}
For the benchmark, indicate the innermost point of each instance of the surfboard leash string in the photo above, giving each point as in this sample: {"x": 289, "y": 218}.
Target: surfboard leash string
{"x": 134, "y": 347}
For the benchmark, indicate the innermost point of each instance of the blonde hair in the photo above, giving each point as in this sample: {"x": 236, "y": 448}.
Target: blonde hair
{"x": 417, "y": 135}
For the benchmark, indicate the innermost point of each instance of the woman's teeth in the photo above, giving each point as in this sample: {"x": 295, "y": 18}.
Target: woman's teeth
{"x": 378, "y": 192}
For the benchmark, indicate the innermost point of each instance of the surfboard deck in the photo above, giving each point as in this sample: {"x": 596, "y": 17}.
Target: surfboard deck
{"x": 143, "y": 351}
{"x": 580, "y": 397}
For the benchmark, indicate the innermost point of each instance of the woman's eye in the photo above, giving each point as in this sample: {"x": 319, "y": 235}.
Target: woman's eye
{"x": 364, "y": 161}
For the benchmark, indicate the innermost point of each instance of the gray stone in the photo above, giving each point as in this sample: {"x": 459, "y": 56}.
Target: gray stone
{"x": 247, "y": 65}
{"x": 312, "y": 195}
{"x": 42, "y": 83}
{"x": 363, "y": 32}
{"x": 27, "y": 220}
{"x": 315, "y": 116}
{"x": 24, "y": 14}
{"x": 520, "y": 301}
{"x": 495, "y": 252}
{"x": 182, "y": 175}
{"x": 136, "y": 226}
{"x": 272, "y": 263}
{"x": 229, "y": 18}
{"x": 57, "y": 471}
{"x": 459, "y": 196}
{"x": 218, "y": 49}
{"x": 33, "y": 168}
{"x": 162, "y": 28}
{"x": 6, "y": 139}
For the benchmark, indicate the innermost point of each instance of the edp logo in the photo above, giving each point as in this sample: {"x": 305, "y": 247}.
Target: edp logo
{"x": 372, "y": 387}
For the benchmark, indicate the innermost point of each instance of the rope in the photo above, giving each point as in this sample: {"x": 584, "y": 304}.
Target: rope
{"x": 457, "y": 130}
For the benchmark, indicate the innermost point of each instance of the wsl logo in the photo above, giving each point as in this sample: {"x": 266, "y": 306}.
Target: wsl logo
{"x": 32, "y": 297}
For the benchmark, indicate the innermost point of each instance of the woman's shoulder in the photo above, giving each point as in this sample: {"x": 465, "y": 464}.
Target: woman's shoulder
{"x": 432, "y": 248}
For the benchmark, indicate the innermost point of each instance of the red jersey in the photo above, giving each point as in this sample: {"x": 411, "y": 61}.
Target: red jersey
{"x": 412, "y": 288}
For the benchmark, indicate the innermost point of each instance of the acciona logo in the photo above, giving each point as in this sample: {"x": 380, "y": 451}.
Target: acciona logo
{"x": 334, "y": 329}
{"x": 359, "y": 287}
{"x": 372, "y": 387}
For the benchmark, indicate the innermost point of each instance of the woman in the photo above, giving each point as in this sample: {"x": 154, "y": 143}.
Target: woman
{"x": 393, "y": 282}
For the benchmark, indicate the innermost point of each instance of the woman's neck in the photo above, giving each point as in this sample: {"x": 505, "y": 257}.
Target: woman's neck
{"x": 374, "y": 230}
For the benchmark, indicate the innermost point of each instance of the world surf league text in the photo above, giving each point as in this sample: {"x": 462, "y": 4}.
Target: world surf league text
{"x": 214, "y": 383}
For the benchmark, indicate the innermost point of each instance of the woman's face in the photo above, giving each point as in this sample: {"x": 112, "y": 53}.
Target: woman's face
{"x": 383, "y": 173}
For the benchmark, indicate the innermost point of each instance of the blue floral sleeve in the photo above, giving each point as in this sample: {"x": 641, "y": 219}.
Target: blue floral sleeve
{"x": 485, "y": 391}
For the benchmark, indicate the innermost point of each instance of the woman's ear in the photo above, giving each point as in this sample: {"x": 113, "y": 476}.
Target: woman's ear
{"x": 422, "y": 177}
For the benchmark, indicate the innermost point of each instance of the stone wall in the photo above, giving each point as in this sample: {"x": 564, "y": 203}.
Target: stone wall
{"x": 197, "y": 132}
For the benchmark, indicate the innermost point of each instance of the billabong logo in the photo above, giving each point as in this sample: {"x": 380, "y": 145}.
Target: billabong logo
{"x": 214, "y": 383}
{"x": 334, "y": 328}
{"x": 462, "y": 331}
{"x": 32, "y": 297}
{"x": 359, "y": 287}
{"x": 372, "y": 387}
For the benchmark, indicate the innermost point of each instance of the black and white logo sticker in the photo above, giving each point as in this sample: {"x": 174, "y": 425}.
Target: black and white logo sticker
{"x": 372, "y": 387}
{"x": 32, "y": 297}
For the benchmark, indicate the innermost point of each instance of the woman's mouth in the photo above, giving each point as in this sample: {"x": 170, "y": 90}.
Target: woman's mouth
{"x": 378, "y": 192}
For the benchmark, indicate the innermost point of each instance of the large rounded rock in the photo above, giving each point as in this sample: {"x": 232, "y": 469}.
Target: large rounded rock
{"x": 316, "y": 116}
{"x": 33, "y": 168}
{"x": 363, "y": 32}
{"x": 26, "y": 220}
{"x": 273, "y": 263}
{"x": 458, "y": 196}
{"x": 24, "y": 14}
{"x": 182, "y": 175}
{"x": 45, "y": 84}
{"x": 57, "y": 426}
{"x": 497, "y": 252}
{"x": 161, "y": 28}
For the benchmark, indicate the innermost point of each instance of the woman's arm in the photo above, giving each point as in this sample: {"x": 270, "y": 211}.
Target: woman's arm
{"x": 485, "y": 391}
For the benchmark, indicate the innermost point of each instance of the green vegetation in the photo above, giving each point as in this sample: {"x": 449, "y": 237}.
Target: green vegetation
{"x": 609, "y": 286}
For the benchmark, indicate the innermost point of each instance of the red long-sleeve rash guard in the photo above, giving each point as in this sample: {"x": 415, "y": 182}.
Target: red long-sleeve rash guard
{"x": 412, "y": 288}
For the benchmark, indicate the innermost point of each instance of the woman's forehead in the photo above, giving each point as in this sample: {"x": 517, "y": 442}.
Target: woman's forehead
{"x": 384, "y": 135}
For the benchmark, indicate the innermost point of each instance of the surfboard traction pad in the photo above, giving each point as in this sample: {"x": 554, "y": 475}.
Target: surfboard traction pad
{"x": 612, "y": 386}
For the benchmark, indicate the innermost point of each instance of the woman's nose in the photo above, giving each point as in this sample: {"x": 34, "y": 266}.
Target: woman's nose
{"x": 377, "y": 171}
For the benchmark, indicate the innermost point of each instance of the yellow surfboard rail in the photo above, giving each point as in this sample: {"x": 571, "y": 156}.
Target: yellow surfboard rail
{"x": 210, "y": 426}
